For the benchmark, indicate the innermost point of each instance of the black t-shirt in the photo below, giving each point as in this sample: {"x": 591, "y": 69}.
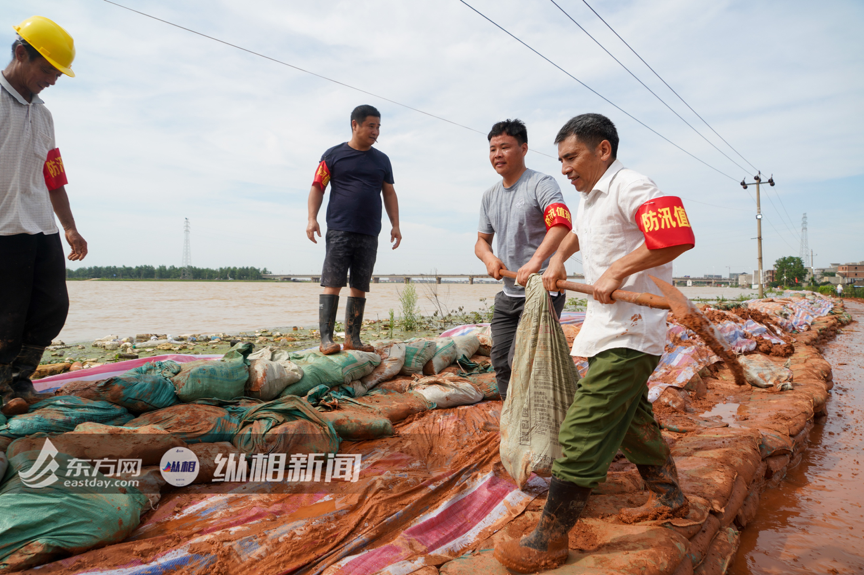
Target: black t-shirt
{"x": 356, "y": 179}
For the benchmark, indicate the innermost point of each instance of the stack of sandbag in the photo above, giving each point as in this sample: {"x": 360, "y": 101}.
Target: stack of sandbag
{"x": 447, "y": 390}
{"x": 449, "y": 350}
{"x": 139, "y": 390}
{"x": 330, "y": 370}
{"x": 285, "y": 425}
{"x": 222, "y": 379}
{"x": 55, "y": 521}
{"x": 270, "y": 372}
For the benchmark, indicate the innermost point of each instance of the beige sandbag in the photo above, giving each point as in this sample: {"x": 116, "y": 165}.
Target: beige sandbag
{"x": 392, "y": 360}
{"x": 447, "y": 390}
{"x": 270, "y": 373}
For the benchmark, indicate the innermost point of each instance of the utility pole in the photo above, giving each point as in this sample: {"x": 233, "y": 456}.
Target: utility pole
{"x": 186, "y": 274}
{"x": 758, "y": 178}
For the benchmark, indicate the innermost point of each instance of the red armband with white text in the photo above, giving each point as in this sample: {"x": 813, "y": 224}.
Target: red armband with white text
{"x": 664, "y": 223}
{"x": 557, "y": 215}
{"x": 54, "y": 171}
{"x": 322, "y": 176}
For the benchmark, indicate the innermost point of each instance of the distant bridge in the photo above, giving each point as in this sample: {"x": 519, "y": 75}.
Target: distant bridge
{"x": 483, "y": 278}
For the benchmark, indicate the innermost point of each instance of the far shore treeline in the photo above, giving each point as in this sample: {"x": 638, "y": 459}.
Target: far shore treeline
{"x": 165, "y": 273}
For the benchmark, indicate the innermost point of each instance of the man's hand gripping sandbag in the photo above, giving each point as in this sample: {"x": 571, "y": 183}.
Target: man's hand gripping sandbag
{"x": 542, "y": 386}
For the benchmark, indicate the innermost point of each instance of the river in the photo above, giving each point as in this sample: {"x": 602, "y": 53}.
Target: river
{"x": 811, "y": 523}
{"x": 124, "y": 308}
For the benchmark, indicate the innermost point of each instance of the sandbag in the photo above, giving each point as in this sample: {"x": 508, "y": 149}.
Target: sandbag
{"x": 40, "y": 525}
{"x": 396, "y": 406}
{"x": 450, "y": 349}
{"x": 392, "y": 360}
{"x": 63, "y": 413}
{"x": 331, "y": 370}
{"x": 542, "y": 386}
{"x": 4, "y": 463}
{"x": 417, "y": 353}
{"x": 447, "y": 390}
{"x": 759, "y": 371}
{"x": 222, "y": 379}
{"x": 260, "y": 421}
{"x": 357, "y": 424}
{"x": 300, "y": 436}
{"x": 192, "y": 422}
{"x": 270, "y": 373}
{"x": 139, "y": 390}
{"x": 96, "y": 441}
{"x": 487, "y": 384}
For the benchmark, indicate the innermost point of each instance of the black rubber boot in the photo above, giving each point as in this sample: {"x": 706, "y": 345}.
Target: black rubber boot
{"x": 23, "y": 369}
{"x": 547, "y": 546}
{"x": 327, "y": 305}
{"x": 666, "y": 500}
{"x": 353, "y": 324}
{"x": 10, "y": 404}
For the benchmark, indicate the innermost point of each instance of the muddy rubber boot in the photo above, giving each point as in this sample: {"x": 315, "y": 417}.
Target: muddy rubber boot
{"x": 23, "y": 369}
{"x": 353, "y": 324}
{"x": 327, "y": 305}
{"x": 666, "y": 500}
{"x": 547, "y": 546}
{"x": 11, "y": 405}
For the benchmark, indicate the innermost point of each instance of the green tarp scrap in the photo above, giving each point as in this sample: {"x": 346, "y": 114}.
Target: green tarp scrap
{"x": 222, "y": 379}
{"x": 330, "y": 370}
{"x": 139, "y": 390}
{"x": 63, "y": 413}
{"x": 53, "y": 521}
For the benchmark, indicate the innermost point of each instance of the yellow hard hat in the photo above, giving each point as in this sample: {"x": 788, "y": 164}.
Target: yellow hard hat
{"x": 50, "y": 40}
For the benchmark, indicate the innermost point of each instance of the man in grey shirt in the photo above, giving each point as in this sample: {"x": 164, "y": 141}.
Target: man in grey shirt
{"x": 527, "y": 212}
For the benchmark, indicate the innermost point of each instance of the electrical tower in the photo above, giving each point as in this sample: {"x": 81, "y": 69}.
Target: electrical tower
{"x": 805, "y": 248}
{"x": 187, "y": 251}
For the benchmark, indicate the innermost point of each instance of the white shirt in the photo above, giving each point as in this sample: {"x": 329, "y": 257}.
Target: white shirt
{"x": 26, "y": 137}
{"x": 607, "y": 231}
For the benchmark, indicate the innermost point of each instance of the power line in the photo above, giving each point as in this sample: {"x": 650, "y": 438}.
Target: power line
{"x": 593, "y": 91}
{"x": 644, "y": 85}
{"x": 668, "y": 86}
{"x": 305, "y": 71}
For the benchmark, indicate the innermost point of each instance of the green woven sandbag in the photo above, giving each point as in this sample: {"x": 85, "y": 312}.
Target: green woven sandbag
{"x": 63, "y": 413}
{"x": 330, "y": 370}
{"x": 417, "y": 353}
{"x": 56, "y": 520}
{"x": 223, "y": 379}
{"x": 192, "y": 422}
{"x": 139, "y": 390}
{"x": 258, "y": 427}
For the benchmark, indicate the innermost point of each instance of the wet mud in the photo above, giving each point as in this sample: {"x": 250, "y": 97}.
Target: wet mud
{"x": 704, "y": 329}
{"x": 811, "y": 522}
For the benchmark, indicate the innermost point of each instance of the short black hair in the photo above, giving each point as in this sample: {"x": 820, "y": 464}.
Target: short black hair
{"x": 590, "y": 129}
{"x": 360, "y": 113}
{"x": 514, "y": 128}
{"x": 32, "y": 52}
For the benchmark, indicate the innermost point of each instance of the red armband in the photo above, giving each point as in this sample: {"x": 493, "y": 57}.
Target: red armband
{"x": 557, "y": 215}
{"x": 664, "y": 223}
{"x": 322, "y": 176}
{"x": 54, "y": 171}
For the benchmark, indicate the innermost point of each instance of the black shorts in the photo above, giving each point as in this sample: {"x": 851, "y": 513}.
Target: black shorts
{"x": 349, "y": 250}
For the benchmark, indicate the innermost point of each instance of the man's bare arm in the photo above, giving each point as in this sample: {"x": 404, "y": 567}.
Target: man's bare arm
{"x": 636, "y": 261}
{"x": 556, "y": 270}
{"x": 547, "y": 247}
{"x": 391, "y": 204}
{"x": 60, "y": 202}
{"x": 483, "y": 251}
{"x": 316, "y": 198}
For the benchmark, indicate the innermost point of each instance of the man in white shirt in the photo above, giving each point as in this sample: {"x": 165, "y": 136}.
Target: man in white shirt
{"x": 627, "y": 230}
{"x": 33, "y": 298}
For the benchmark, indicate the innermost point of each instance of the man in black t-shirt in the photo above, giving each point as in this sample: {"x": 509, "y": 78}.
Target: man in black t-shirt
{"x": 359, "y": 176}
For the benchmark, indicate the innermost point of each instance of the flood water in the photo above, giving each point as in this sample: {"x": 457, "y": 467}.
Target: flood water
{"x": 124, "y": 308}
{"x": 812, "y": 522}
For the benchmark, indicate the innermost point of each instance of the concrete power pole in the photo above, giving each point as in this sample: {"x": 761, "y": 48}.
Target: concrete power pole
{"x": 758, "y": 180}
{"x": 805, "y": 247}
{"x": 187, "y": 251}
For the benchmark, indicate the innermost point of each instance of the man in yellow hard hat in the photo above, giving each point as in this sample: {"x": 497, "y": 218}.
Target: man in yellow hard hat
{"x": 33, "y": 298}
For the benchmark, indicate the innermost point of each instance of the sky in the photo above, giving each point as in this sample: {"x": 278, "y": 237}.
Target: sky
{"x": 161, "y": 124}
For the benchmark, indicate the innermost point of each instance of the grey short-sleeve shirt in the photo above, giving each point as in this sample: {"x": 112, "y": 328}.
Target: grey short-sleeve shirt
{"x": 515, "y": 216}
